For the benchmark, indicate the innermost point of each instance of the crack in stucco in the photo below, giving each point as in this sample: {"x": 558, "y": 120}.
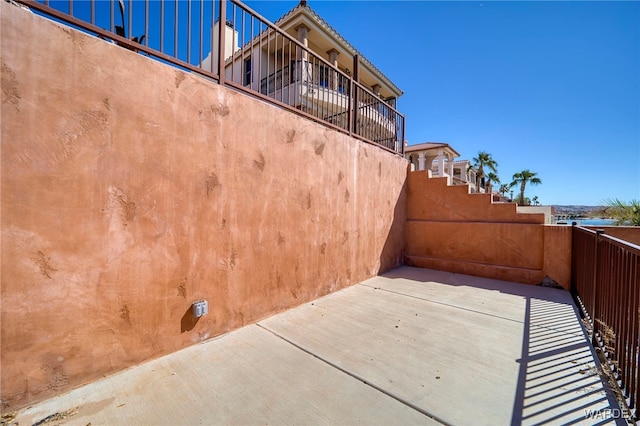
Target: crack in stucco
{"x": 221, "y": 110}
{"x": 182, "y": 288}
{"x": 74, "y": 128}
{"x": 57, "y": 378}
{"x": 10, "y": 86}
{"x": 260, "y": 162}
{"x": 125, "y": 314}
{"x": 345, "y": 237}
{"x": 211, "y": 182}
{"x": 44, "y": 265}
{"x": 179, "y": 78}
{"x": 127, "y": 209}
{"x": 291, "y": 134}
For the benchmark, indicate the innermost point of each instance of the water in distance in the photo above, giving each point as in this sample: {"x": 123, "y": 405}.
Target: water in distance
{"x": 595, "y": 222}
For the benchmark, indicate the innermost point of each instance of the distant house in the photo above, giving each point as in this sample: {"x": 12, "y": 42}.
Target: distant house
{"x": 438, "y": 159}
{"x": 315, "y": 82}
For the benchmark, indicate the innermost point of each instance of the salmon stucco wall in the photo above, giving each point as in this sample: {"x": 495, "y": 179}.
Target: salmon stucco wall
{"x": 131, "y": 189}
{"x": 449, "y": 229}
{"x": 630, "y": 234}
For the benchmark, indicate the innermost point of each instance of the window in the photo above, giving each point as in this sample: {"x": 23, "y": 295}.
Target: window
{"x": 247, "y": 71}
{"x": 323, "y": 78}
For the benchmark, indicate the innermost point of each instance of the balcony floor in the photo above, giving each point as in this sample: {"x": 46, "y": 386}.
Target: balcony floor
{"x": 414, "y": 346}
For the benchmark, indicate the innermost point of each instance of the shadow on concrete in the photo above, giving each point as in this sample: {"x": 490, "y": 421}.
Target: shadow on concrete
{"x": 549, "y": 391}
{"x": 559, "y": 375}
{"x": 456, "y": 279}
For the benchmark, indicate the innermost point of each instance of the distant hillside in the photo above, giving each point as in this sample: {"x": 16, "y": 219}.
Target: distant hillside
{"x": 581, "y": 211}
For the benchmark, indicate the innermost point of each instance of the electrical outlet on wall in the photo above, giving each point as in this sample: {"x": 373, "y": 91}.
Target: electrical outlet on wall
{"x": 200, "y": 308}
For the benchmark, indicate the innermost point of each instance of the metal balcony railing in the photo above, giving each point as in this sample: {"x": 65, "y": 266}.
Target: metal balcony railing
{"x": 247, "y": 53}
{"x": 321, "y": 78}
{"x": 606, "y": 283}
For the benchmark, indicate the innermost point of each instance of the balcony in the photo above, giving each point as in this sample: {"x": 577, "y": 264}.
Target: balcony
{"x": 311, "y": 87}
{"x": 321, "y": 91}
{"x": 317, "y": 76}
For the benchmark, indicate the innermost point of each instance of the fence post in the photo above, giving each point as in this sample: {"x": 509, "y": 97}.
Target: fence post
{"x": 594, "y": 339}
{"x": 354, "y": 94}
{"x": 221, "y": 42}
{"x": 402, "y": 137}
{"x": 350, "y": 106}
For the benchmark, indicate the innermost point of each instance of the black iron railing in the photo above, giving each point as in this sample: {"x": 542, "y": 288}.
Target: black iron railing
{"x": 247, "y": 53}
{"x": 321, "y": 77}
{"x": 606, "y": 283}
{"x": 278, "y": 79}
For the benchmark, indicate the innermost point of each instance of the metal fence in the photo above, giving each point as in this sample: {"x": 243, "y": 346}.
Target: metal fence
{"x": 246, "y": 52}
{"x": 606, "y": 282}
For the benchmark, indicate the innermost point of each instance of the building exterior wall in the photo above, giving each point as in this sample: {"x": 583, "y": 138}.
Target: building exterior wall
{"x": 131, "y": 189}
{"x": 231, "y": 46}
{"x": 546, "y": 210}
{"x": 449, "y": 229}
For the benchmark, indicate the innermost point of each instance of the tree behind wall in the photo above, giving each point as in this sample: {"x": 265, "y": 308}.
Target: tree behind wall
{"x": 523, "y": 178}
{"x": 480, "y": 163}
{"x": 624, "y": 213}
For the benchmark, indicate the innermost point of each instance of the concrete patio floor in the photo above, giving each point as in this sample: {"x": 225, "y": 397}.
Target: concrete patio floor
{"x": 413, "y": 346}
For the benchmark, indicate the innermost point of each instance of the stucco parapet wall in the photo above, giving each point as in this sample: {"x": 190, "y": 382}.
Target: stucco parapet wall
{"x": 449, "y": 229}
{"x": 524, "y": 253}
{"x": 499, "y": 244}
{"x": 557, "y": 254}
{"x": 131, "y": 189}
{"x": 433, "y": 199}
{"x": 630, "y": 234}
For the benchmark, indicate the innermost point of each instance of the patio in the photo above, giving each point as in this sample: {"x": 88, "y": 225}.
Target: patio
{"x": 413, "y": 346}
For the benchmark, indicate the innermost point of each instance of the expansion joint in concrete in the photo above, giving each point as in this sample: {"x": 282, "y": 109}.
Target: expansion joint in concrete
{"x": 424, "y": 299}
{"x": 357, "y": 377}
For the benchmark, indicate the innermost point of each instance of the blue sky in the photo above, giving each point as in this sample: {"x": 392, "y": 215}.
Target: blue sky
{"x": 553, "y": 87}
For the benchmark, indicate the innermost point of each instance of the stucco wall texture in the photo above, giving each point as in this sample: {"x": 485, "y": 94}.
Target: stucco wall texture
{"x": 630, "y": 234}
{"x": 131, "y": 189}
{"x": 449, "y": 229}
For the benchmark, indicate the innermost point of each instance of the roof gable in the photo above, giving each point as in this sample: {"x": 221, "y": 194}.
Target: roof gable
{"x": 304, "y": 13}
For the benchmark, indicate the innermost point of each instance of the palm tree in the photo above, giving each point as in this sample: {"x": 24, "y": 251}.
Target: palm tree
{"x": 504, "y": 188}
{"x": 535, "y": 200}
{"x": 482, "y": 161}
{"x": 624, "y": 213}
{"x": 523, "y": 178}
{"x": 492, "y": 178}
